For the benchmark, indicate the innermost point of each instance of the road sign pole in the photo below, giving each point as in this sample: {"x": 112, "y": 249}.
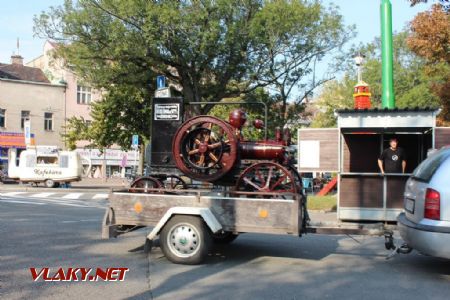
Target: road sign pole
{"x": 135, "y": 161}
{"x": 135, "y": 145}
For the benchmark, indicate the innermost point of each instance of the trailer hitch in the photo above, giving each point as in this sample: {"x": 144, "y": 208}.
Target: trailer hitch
{"x": 390, "y": 245}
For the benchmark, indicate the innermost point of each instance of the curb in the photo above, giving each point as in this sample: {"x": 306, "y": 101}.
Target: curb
{"x": 60, "y": 190}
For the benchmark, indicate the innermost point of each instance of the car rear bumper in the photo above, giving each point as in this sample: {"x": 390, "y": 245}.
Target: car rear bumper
{"x": 424, "y": 239}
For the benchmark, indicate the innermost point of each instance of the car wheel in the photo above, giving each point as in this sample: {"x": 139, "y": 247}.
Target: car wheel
{"x": 49, "y": 183}
{"x": 185, "y": 240}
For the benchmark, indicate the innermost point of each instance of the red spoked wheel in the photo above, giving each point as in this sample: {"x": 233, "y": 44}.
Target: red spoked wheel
{"x": 297, "y": 179}
{"x": 145, "y": 184}
{"x": 267, "y": 177}
{"x": 173, "y": 182}
{"x": 205, "y": 148}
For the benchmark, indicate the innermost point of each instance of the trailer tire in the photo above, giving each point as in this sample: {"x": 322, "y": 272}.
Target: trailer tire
{"x": 223, "y": 237}
{"x": 185, "y": 240}
{"x": 49, "y": 183}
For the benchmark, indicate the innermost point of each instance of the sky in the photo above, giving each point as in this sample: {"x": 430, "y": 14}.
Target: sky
{"x": 16, "y": 21}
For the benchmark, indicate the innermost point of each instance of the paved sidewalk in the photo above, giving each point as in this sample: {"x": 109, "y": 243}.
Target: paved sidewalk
{"x": 90, "y": 183}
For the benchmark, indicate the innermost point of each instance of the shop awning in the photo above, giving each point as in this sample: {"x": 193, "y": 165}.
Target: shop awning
{"x": 14, "y": 139}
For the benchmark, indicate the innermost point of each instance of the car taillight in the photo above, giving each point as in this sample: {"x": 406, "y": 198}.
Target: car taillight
{"x": 432, "y": 205}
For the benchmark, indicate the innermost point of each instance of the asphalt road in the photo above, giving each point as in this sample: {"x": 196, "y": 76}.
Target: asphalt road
{"x": 49, "y": 233}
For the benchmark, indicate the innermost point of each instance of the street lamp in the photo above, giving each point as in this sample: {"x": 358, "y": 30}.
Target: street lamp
{"x": 359, "y": 59}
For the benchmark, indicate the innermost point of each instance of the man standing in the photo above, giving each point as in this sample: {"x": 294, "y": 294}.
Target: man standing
{"x": 393, "y": 159}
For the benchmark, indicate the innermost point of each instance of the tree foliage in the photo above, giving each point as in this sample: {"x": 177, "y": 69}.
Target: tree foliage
{"x": 336, "y": 94}
{"x": 209, "y": 50}
{"x": 412, "y": 84}
{"x": 430, "y": 39}
{"x": 291, "y": 38}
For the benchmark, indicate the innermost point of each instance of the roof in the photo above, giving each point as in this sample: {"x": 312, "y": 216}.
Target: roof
{"x": 386, "y": 110}
{"x": 21, "y": 72}
{"x": 388, "y": 118}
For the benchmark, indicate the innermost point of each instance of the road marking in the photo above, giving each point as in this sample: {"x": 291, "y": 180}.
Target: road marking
{"x": 67, "y": 203}
{"x": 73, "y": 196}
{"x": 100, "y": 196}
{"x": 78, "y": 221}
{"x": 58, "y": 199}
{"x": 21, "y": 202}
{"x": 13, "y": 193}
{"x": 42, "y": 195}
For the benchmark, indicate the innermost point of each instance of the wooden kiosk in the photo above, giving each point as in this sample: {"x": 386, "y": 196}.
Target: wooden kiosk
{"x": 352, "y": 150}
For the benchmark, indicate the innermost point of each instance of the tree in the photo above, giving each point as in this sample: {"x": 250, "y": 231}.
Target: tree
{"x": 411, "y": 81}
{"x": 254, "y": 111}
{"x": 209, "y": 50}
{"x": 291, "y": 37}
{"x": 335, "y": 94}
{"x": 430, "y": 39}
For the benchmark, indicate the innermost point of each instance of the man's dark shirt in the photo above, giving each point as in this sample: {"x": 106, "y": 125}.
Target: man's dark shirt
{"x": 392, "y": 160}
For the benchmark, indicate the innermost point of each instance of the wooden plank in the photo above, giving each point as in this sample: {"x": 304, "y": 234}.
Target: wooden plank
{"x": 329, "y": 147}
{"x": 442, "y": 137}
{"x": 235, "y": 214}
{"x": 361, "y": 191}
{"x": 395, "y": 190}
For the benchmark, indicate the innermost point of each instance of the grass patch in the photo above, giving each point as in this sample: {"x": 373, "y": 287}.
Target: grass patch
{"x": 322, "y": 202}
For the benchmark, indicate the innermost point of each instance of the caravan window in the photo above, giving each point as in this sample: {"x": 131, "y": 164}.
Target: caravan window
{"x": 47, "y": 160}
{"x": 30, "y": 161}
{"x": 64, "y": 161}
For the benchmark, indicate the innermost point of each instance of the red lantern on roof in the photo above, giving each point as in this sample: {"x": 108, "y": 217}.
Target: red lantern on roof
{"x": 361, "y": 95}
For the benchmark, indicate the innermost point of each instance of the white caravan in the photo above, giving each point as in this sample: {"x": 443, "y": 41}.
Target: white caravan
{"x": 45, "y": 164}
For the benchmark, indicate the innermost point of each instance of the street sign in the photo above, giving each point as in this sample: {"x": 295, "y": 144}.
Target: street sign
{"x": 160, "y": 82}
{"x": 135, "y": 141}
{"x": 167, "y": 111}
{"x": 163, "y": 93}
{"x": 27, "y": 130}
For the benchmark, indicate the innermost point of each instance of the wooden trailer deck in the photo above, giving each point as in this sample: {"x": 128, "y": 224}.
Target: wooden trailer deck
{"x": 236, "y": 212}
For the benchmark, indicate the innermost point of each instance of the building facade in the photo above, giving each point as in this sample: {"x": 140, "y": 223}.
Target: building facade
{"x": 79, "y": 97}
{"x": 27, "y": 94}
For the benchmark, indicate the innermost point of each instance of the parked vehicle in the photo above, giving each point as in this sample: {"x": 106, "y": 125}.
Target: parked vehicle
{"x": 4, "y": 178}
{"x": 45, "y": 164}
{"x": 425, "y": 224}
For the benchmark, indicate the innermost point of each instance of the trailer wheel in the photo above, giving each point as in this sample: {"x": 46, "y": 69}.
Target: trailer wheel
{"x": 49, "y": 183}
{"x": 185, "y": 240}
{"x": 223, "y": 237}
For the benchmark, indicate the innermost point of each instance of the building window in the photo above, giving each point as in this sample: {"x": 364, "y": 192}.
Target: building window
{"x": 83, "y": 94}
{"x": 48, "y": 121}
{"x": 24, "y": 115}
{"x": 2, "y": 117}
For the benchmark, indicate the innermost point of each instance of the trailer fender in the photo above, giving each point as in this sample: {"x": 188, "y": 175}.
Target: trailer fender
{"x": 204, "y": 213}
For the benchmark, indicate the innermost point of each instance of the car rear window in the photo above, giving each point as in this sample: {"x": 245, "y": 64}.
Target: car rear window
{"x": 426, "y": 169}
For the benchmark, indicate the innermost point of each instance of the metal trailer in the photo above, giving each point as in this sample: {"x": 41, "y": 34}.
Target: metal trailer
{"x": 189, "y": 221}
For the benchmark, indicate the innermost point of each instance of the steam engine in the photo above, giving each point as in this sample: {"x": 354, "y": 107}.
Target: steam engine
{"x": 208, "y": 149}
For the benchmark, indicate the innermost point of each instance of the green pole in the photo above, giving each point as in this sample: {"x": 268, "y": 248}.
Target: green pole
{"x": 387, "y": 81}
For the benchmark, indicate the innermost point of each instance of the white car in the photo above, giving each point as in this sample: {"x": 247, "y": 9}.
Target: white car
{"x": 425, "y": 224}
